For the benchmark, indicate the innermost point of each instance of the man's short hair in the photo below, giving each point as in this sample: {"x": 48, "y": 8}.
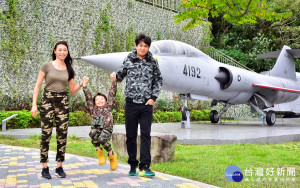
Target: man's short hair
{"x": 142, "y": 38}
{"x": 99, "y": 94}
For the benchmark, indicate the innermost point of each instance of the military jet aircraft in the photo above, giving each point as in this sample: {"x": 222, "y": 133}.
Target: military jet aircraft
{"x": 195, "y": 75}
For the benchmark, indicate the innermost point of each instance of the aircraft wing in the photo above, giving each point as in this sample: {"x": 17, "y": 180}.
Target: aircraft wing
{"x": 294, "y": 52}
{"x": 276, "y": 88}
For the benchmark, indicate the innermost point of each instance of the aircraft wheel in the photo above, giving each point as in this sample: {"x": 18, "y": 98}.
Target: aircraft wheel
{"x": 213, "y": 116}
{"x": 184, "y": 116}
{"x": 271, "y": 117}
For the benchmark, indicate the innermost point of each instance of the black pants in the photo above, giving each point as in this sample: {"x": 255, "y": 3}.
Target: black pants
{"x": 135, "y": 113}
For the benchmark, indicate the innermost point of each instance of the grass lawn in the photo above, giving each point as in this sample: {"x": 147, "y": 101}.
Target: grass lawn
{"x": 207, "y": 163}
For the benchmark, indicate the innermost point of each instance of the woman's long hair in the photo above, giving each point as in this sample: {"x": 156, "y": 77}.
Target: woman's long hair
{"x": 68, "y": 60}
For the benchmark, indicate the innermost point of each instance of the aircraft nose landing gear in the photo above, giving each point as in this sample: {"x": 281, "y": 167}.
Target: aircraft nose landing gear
{"x": 185, "y": 118}
{"x": 214, "y": 116}
{"x": 185, "y": 122}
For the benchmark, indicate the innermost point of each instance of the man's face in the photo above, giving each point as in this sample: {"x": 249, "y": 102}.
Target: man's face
{"x": 142, "y": 49}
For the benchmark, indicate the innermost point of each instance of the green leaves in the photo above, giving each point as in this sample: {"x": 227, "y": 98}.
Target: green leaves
{"x": 235, "y": 12}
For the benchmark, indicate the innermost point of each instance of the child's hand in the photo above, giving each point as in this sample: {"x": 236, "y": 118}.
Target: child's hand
{"x": 113, "y": 76}
{"x": 85, "y": 81}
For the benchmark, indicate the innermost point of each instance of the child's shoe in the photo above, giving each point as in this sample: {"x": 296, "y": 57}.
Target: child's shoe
{"x": 113, "y": 161}
{"x": 101, "y": 157}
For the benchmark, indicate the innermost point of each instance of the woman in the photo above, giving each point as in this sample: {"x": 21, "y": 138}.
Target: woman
{"x": 55, "y": 104}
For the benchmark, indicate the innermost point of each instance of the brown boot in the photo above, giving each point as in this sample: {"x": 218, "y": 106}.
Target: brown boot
{"x": 101, "y": 157}
{"x": 113, "y": 161}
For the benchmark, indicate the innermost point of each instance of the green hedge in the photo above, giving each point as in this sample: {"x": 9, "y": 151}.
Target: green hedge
{"x": 199, "y": 115}
{"x": 25, "y": 120}
{"x": 80, "y": 118}
{"x": 22, "y": 120}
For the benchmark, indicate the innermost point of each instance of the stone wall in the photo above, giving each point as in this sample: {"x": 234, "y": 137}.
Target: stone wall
{"x": 39, "y": 24}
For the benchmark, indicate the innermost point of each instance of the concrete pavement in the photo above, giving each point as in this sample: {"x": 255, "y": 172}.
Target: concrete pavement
{"x": 230, "y": 132}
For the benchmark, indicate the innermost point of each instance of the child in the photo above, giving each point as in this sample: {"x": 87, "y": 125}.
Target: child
{"x": 100, "y": 109}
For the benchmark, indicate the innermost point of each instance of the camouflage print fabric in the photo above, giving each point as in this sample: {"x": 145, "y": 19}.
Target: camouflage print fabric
{"x": 101, "y": 136}
{"x": 54, "y": 106}
{"x": 105, "y": 113}
{"x": 101, "y": 117}
{"x": 143, "y": 77}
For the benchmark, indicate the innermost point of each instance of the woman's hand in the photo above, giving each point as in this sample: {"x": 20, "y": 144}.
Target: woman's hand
{"x": 85, "y": 81}
{"x": 34, "y": 111}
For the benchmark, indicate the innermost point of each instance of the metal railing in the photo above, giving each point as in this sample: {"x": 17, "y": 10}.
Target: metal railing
{"x": 223, "y": 58}
{"x": 171, "y": 5}
{"x": 5, "y": 120}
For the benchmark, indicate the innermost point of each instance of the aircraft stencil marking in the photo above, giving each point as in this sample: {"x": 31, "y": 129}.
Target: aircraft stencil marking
{"x": 191, "y": 71}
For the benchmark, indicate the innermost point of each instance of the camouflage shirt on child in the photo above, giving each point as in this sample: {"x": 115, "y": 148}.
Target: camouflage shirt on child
{"x": 102, "y": 116}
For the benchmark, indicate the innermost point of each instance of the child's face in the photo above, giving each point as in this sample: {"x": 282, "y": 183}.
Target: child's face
{"x": 100, "y": 101}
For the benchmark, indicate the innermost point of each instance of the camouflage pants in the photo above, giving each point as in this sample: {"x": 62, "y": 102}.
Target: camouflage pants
{"x": 101, "y": 136}
{"x": 54, "y": 106}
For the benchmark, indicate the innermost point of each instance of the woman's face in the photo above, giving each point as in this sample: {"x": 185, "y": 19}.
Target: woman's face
{"x": 100, "y": 101}
{"x": 142, "y": 49}
{"x": 61, "y": 52}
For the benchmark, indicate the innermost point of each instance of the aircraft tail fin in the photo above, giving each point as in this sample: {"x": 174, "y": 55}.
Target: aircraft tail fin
{"x": 285, "y": 64}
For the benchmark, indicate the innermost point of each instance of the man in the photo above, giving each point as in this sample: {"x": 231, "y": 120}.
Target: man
{"x": 143, "y": 84}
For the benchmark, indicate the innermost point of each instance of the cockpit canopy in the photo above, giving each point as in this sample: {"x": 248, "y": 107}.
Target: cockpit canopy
{"x": 176, "y": 48}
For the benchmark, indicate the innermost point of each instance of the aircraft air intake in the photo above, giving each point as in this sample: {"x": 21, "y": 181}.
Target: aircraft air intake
{"x": 224, "y": 77}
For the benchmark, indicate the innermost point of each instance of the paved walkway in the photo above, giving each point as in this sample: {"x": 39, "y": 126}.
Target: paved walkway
{"x": 20, "y": 167}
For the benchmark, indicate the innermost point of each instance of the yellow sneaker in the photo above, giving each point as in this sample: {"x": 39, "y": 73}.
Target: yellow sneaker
{"x": 113, "y": 161}
{"x": 101, "y": 157}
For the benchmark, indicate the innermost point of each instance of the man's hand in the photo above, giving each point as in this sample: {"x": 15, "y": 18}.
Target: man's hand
{"x": 150, "y": 102}
{"x": 113, "y": 76}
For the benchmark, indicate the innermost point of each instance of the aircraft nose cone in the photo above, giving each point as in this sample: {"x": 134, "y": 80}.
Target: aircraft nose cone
{"x": 222, "y": 77}
{"x": 109, "y": 62}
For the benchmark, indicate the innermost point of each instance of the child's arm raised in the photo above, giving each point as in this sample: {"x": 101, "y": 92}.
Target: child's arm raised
{"x": 111, "y": 101}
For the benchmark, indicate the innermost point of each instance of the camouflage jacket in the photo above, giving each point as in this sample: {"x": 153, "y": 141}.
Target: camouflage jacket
{"x": 105, "y": 113}
{"x": 143, "y": 77}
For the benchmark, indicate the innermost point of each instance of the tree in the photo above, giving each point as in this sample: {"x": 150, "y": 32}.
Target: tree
{"x": 272, "y": 24}
{"x": 232, "y": 11}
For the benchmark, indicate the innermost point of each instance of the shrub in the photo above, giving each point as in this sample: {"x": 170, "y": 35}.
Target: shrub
{"x": 163, "y": 117}
{"x": 25, "y": 120}
{"x": 198, "y": 115}
{"x": 80, "y": 118}
{"x": 119, "y": 117}
{"x": 22, "y": 120}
